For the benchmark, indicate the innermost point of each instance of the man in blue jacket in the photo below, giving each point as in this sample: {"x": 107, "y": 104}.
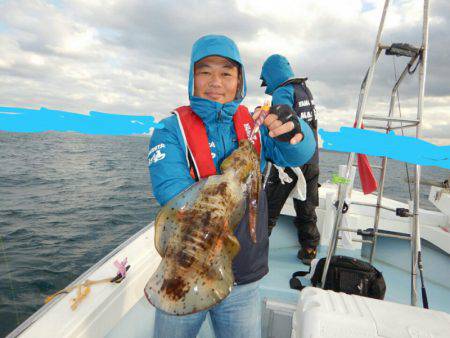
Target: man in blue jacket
{"x": 278, "y": 77}
{"x": 216, "y": 88}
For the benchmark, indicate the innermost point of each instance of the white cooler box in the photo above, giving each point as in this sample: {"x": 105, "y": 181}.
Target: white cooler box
{"x": 322, "y": 313}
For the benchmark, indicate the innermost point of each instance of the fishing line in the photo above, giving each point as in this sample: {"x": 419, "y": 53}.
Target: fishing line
{"x": 8, "y": 272}
{"x": 401, "y": 125}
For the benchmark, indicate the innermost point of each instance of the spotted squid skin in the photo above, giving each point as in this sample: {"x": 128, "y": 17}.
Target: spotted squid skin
{"x": 194, "y": 236}
{"x": 246, "y": 163}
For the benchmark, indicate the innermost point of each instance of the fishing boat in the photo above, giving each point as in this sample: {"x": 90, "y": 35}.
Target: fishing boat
{"x": 118, "y": 310}
{"x": 397, "y": 230}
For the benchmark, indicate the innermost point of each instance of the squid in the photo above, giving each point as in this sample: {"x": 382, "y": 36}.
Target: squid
{"x": 194, "y": 236}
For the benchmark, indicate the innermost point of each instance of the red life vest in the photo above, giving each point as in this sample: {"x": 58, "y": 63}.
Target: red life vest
{"x": 198, "y": 152}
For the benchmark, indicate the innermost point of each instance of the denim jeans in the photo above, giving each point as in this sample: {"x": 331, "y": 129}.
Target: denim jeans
{"x": 238, "y": 315}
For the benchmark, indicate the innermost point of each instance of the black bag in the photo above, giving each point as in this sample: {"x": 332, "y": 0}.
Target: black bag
{"x": 348, "y": 275}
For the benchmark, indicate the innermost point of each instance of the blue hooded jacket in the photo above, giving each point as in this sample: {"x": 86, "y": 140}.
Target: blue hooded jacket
{"x": 169, "y": 170}
{"x": 276, "y": 70}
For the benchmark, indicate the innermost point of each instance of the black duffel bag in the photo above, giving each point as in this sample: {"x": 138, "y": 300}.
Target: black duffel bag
{"x": 346, "y": 274}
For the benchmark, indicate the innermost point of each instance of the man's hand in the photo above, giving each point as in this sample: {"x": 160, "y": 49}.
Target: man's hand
{"x": 282, "y": 123}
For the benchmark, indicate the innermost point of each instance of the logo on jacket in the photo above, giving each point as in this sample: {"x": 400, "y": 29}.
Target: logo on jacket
{"x": 212, "y": 145}
{"x": 307, "y": 116}
{"x": 304, "y": 103}
{"x": 248, "y": 131}
{"x": 155, "y": 154}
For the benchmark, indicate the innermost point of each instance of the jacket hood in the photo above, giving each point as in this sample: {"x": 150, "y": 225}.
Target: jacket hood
{"x": 275, "y": 70}
{"x": 218, "y": 45}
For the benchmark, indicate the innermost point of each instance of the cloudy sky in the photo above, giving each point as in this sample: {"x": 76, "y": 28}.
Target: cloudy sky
{"x": 132, "y": 57}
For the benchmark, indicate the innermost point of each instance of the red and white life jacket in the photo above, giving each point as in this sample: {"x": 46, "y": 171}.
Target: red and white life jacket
{"x": 198, "y": 152}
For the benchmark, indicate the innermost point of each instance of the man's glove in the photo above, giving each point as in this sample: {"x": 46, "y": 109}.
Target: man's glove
{"x": 285, "y": 113}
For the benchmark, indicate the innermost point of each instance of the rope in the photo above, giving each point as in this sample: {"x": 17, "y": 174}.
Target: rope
{"x": 401, "y": 125}
{"x": 413, "y": 70}
{"x": 8, "y": 272}
{"x": 83, "y": 289}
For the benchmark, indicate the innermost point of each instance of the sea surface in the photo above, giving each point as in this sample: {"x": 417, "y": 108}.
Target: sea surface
{"x": 66, "y": 200}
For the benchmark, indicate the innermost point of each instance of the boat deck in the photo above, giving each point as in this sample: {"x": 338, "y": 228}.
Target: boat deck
{"x": 392, "y": 259}
{"x": 393, "y": 263}
{"x": 122, "y": 310}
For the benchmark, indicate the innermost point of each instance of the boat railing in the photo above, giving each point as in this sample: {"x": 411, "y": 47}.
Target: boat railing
{"x": 417, "y": 60}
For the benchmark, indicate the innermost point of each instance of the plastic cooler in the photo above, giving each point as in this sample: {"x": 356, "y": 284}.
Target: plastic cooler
{"x": 323, "y": 313}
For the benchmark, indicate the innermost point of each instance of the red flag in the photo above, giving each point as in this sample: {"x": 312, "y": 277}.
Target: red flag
{"x": 368, "y": 182}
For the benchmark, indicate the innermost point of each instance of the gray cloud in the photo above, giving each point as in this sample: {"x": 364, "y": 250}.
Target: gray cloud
{"x": 165, "y": 30}
{"x": 132, "y": 56}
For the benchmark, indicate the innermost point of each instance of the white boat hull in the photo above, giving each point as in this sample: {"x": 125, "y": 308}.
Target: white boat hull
{"x": 433, "y": 224}
{"x": 106, "y": 304}
{"x": 116, "y": 310}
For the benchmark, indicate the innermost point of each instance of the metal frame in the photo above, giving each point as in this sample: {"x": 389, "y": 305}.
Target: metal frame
{"x": 421, "y": 58}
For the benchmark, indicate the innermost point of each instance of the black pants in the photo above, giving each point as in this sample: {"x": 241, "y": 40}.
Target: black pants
{"x": 306, "y": 218}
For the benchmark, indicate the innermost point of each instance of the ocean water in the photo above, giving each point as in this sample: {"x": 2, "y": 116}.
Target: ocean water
{"x": 66, "y": 200}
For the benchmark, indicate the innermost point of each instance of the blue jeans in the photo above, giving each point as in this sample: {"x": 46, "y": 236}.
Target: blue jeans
{"x": 238, "y": 315}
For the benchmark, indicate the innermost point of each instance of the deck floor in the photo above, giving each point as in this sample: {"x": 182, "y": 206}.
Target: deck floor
{"x": 138, "y": 322}
{"x": 283, "y": 262}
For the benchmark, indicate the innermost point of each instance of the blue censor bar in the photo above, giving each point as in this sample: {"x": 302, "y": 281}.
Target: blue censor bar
{"x": 347, "y": 139}
{"x": 97, "y": 123}
{"x": 401, "y": 148}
